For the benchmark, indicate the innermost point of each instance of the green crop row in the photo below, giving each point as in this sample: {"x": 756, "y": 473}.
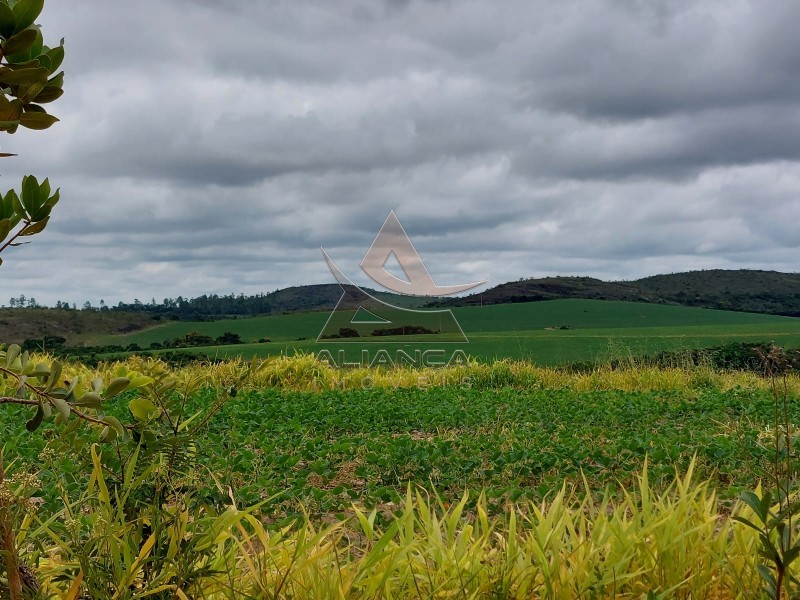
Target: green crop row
{"x": 326, "y": 450}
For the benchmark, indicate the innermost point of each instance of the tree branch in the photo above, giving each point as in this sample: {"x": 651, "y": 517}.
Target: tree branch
{"x": 12, "y": 400}
{"x": 8, "y": 546}
{"x": 15, "y": 236}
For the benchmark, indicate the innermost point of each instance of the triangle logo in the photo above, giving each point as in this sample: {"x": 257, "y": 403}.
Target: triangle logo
{"x": 362, "y": 315}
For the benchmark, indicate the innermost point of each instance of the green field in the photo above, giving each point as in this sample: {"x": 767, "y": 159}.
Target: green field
{"x": 286, "y": 472}
{"x": 596, "y": 330}
{"x": 326, "y": 450}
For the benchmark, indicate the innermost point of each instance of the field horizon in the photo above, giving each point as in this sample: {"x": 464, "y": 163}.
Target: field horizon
{"x": 547, "y": 332}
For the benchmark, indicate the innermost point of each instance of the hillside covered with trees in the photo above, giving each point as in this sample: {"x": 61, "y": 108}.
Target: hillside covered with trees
{"x": 745, "y": 290}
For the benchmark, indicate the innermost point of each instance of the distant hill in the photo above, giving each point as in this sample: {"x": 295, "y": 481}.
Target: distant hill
{"x": 768, "y": 292}
{"x": 745, "y": 290}
{"x": 19, "y": 324}
{"x": 304, "y": 298}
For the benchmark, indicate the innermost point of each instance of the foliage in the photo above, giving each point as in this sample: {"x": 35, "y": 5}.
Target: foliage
{"x": 146, "y": 449}
{"x": 29, "y": 78}
{"x": 644, "y": 543}
{"x": 736, "y": 356}
{"x": 305, "y": 433}
{"x": 738, "y": 290}
{"x": 777, "y": 526}
{"x": 556, "y": 444}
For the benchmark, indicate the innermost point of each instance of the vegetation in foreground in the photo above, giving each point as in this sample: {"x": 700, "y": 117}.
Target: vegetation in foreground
{"x": 502, "y": 480}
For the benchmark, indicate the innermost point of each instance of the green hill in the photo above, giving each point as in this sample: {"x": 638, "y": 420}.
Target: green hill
{"x": 744, "y": 290}
{"x": 550, "y": 332}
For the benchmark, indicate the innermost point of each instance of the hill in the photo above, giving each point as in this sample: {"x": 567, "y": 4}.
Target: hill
{"x": 303, "y": 298}
{"x": 19, "y": 324}
{"x": 741, "y": 290}
{"x": 765, "y": 292}
{"x": 548, "y": 333}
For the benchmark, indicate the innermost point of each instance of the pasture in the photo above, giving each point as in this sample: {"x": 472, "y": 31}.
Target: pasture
{"x": 593, "y": 330}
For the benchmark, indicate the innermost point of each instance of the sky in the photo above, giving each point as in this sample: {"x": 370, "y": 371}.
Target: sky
{"x": 213, "y": 146}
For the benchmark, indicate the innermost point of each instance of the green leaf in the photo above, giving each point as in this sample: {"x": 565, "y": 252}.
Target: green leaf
{"x": 108, "y": 434}
{"x": 5, "y": 228}
{"x": 38, "y": 44}
{"x": 44, "y": 190}
{"x": 117, "y": 386}
{"x": 30, "y": 91}
{"x": 55, "y": 375}
{"x": 57, "y": 80}
{"x": 63, "y": 408}
{"x": 767, "y": 575}
{"x": 747, "y": 522}
{"x": 37, "y": 120}
{"x": 754, "y": 502}
{"x": 20, "y": 42}
{"x": 114, "y": 423}
{"x": 28, "y": 64}
{"x": 140, "y": 381}
{"x": 44, "y": 61}
{"x": 41, "y": 214}
{"x": 49, "y": 94}
{"x": 19, "y": 210}
{"x": 89, "y": 399}
{"x": 791, "y": 555}
{"x": 26, "y": 12}
{"x": 7, "y": 21}
{"x": 56, "y": 56}
{"x": 34, "y": 228}
{"x": 53, "y": 200}
{"x": 37, "y": 419}
{"x": 10, "y": 110}
{"x": 12, "y": 353}
{"x": 143, "y": 409}
{"x": 22, "y": 76}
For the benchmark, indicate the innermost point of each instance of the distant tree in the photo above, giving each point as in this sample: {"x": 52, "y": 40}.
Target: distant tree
{"x": 229, "y": 338}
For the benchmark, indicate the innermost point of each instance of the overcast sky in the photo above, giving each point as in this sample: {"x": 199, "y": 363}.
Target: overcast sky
{"x": 212, "y": 146}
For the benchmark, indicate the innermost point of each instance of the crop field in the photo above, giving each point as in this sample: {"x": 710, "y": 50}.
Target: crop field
{"x": 313, "y": 482}
{"x": 325, "y": 450}
{"x": 593, "y": 331}
{"x": 516, "y": 434}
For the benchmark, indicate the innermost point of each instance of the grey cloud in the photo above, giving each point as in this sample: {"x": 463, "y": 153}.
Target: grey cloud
{"x": 215, "y": 146}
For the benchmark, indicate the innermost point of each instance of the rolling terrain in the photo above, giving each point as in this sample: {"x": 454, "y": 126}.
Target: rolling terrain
{"x": 740, "y": 290}
{"x": 550, "y": 332}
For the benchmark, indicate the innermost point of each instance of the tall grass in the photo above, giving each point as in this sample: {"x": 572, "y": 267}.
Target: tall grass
{"x": 305, "y": 372}
{"x": 675, "y": 544}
